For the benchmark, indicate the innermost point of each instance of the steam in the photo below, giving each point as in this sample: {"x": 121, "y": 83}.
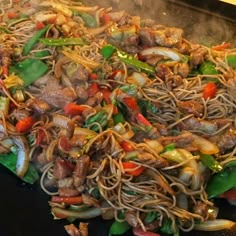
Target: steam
{"x": 199, "y": 27}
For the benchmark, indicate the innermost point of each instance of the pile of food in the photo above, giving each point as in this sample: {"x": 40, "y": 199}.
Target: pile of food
{"x": 118, "y": 116}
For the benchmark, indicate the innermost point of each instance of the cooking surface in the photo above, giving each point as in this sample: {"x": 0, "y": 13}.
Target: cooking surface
{"x": 24, "y": 209}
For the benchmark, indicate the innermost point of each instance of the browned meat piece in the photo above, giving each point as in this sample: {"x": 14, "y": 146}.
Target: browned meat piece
{"x": 197, "y": 56}
{"x": 90, "y": 201}
{"x": 5, "y": 59}
{"x": 59, "y": 98}
{"x": 146, "y": 37}
{"x": 194, "y": 124}
{"x": 153, "y": 59}
{"x": 80, "y": 74}
{"x": 226, "y": 141}
{"x": 82, "y": 94}
{"x": 81, "y": 169}
{"x": 66, "y": 182}
{"x": 130, "y": 44}
{"x": 72, "y": 230}
{"x": 38, "y": 105}
{"x": 182, "y": 69}
{"x": 68, "y": 192}
{"x": 78, "y": 140}
{"x": 161, "y": 128}
{"x": 191, "y": 107}
{"x": 62, "y": 169}
{"x": 162, "y": 71}
{"x": 173, "y": 81}
{"x": 168, "y": 36}
{"x": 131, "y": 218}
{"x": 20, "y": 114}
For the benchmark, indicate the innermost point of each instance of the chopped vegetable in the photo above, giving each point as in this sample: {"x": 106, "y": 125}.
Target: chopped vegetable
{"x": 221, "y": 46}
{"x": 107, "y": 51}
{"x": 10, "y": 160}
{"x": 231, "y": 61}
{"x": 118, "y": 118}
{"x": 130, "y": 102}
{"x": 132, "y": 168}
{"x": 25, "y": 124}
{"x": 210, "y": 162}
{"x": 119, "y": 228}
{"x": 140, "y": 232}
{"x": 222, "y": 181}
{"x": 209, "y": 90}
{"x": 13, "y": 81}
{"x": 208, "y": 68}
{"x": 142, "y": 120}
{"x": 34, "y": 40}
{"x": 215, "y": 225}
{"x": 73, "y": 109}
{"x": 62, "y": 41}
{"x": 229, "y": 195}
{"x": 4, "y": 105}
{"x": 30, "y": 70}
{"x": 127, "y": 146}
{"x": 67, "y": 200}
{"x": 88, "y": 19}
{"x": 93, "y": 89}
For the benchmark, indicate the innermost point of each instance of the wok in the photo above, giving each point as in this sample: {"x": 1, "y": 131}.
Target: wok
{"x": 24, "y": 208}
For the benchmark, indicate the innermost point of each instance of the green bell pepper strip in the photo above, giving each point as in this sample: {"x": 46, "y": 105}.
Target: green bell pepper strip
{"x": 222, "y": 181}
{"x": 231, "y": 61}
{"x": 208, "y": 68}
{"x": 150, "y": 217}
{"x": 62, "y": 41}
{"x": 30, "y": 70}
{"x": 132, "y": 61}
{"x": 119, "y": 228}
{"x": 118, "y": 118}
{"x": 10, "y": 160}
{"x": 34, "y": 40}
{"x": 128, "y": 59}
{"x": 89, "y": 20}
{"x": 107, "y": 51}
{"x": 210, "y": 162}
{"x": 100, "y": 117}
{"x": 169, "y": 147}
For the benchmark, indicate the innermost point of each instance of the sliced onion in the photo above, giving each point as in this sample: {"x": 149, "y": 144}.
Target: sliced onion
{"x": 154, "y": 145}
{"x": 139, "y": 79}
{"x": 167, "y": 52}
{"x": 80, "y": 131}
{"x": 60, "y": 120}
{"x": 90, "y": 213}
{"x": 215, "y": 225}
{"x": 205, "y": 146}
{"x": 22, "y": 163}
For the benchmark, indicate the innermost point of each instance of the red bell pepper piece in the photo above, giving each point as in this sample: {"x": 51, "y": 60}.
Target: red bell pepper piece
{"x": 67, "y": 200}
{"x": 140, "y": 232}
{"x": 209, "y": 90}
{"x": 130, "y": 102}
{"x": 73, "y": 109}
{"x": 230, "y": 194}
{"x": 132, "y": 168}
{"x": 40, "y": 25}
{"x": 12, "y": 15}
{"x": 221, "y": 46}
{"x": 65, "y": 144}
{"x": 5, "y": 70}
{"x": 25, "y": 124}
{"x": 142, "y": 120}
{"x": 93, "y": 89}
{"x": 40, "y": 137}
{"x": 126, "y": 146}
{"x": 93, "y": 76}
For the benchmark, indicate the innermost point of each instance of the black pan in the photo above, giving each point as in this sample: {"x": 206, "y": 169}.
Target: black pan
{"x": 24, "y": 210}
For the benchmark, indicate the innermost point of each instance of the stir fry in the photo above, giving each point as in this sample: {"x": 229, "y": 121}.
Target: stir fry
{"x": 118, "y": 117}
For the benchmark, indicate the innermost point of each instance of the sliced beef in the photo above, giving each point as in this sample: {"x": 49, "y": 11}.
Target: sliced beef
{"x": 191, "y": 107}
{"x": 59, "y": 98}
{"x": 81, "y": 169}
{"x": 68, "y": 192}
{"x": 62, "y": 169}
{"x": 146, "y": 37}
{"x": 197, "y": 56}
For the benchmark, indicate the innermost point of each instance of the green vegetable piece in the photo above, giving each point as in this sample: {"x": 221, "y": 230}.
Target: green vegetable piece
{"x": 231, "y": 61}
{"x": 118, "y": 118}
{"x": 148, "y": 106}
{"x": 119, "y": 228}
{"x": 34, "y": 40}
{"x": 150, "y": 217}
{"x": 4, "y": 30}
{"x": 210, "y": 162}
{"x": 222, "y": 181}
{"x": 41, "y": 54}
{"x": 89, "y": 20}
{"x": 166, "y": 227}
{"x": 208, "y": 68}
{"x": 132, "y": 61}
{"x": 169, "y": 147}
{"x": 130, "y": 89}
{"x": 100, "y": 117}
{"x": 62, "y": 41}
{"x": 107, "y": 51}
{"x": 29, "y": 70}
{"x": 9, "y": 161}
